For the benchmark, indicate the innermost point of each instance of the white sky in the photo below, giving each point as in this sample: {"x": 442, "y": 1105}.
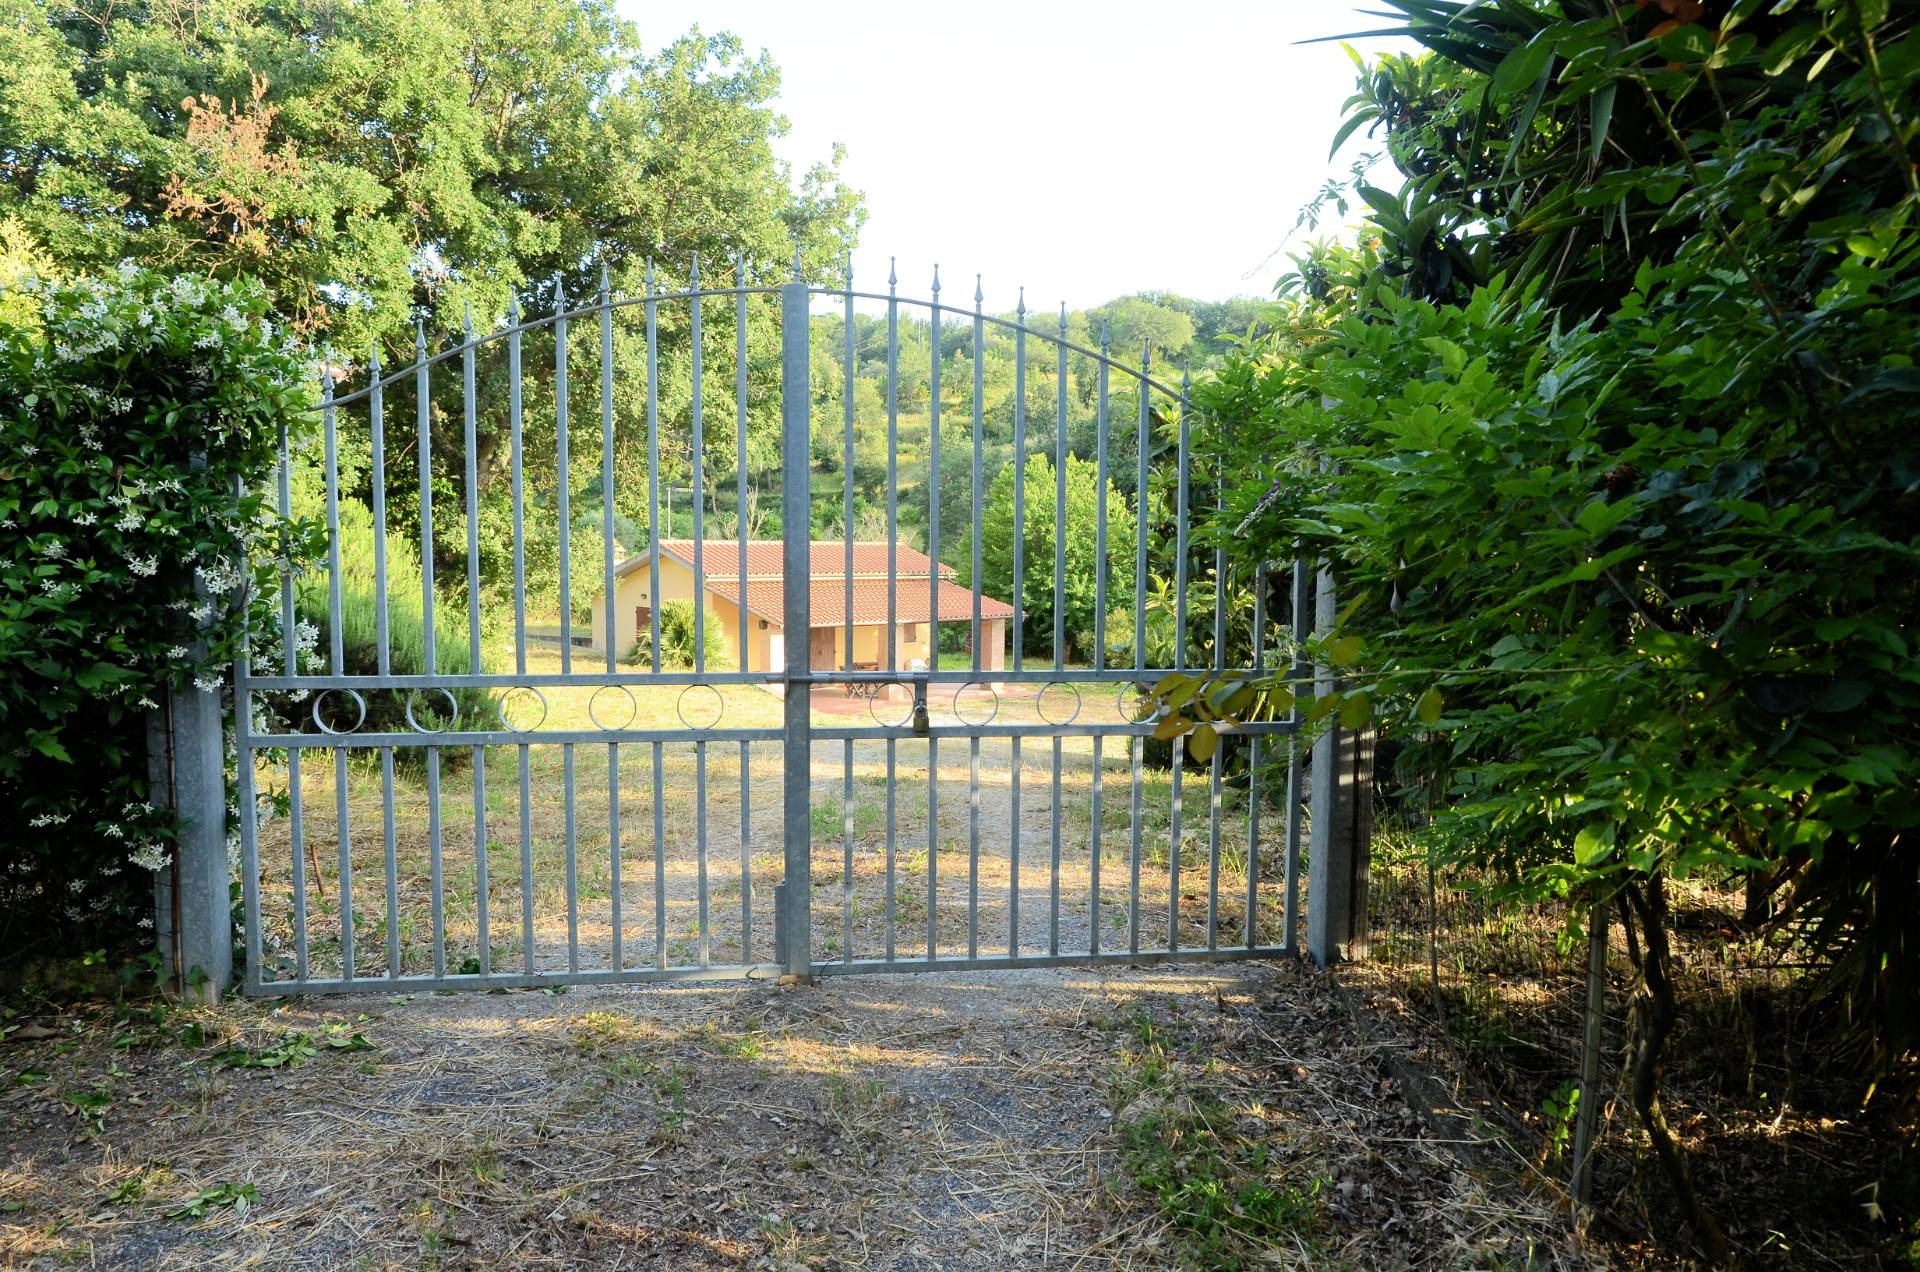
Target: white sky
{"x": 1083, "y": 150}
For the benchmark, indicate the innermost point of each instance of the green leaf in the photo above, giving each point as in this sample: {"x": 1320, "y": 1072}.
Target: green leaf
{"x": 1354, "y": 121}
{"x": 1427, "y": 710}
{"x": 1355, "y": 710}
{"x": 1523, "y": 65}
{"x": 1593, "y": 845}
{"x": 1203, "y": 742}
{"x": 1602, "y": 114}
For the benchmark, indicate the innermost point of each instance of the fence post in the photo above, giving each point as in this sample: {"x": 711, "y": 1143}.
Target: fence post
{"x": 795, "y": 896}
{"x": 193, "y": 901}
{"x": 1340, "y": 816}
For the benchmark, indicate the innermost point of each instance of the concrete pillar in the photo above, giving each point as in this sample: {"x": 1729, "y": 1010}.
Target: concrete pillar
{"x": 1340, "y": 817}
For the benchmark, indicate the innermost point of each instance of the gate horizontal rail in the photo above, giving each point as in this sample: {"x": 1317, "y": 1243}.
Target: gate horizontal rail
{"x": 650, "y": 852}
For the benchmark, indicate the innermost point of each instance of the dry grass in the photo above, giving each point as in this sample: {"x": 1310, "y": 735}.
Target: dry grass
{"x": 1765, "y": 1097}
{"x": 948, "y": 1121}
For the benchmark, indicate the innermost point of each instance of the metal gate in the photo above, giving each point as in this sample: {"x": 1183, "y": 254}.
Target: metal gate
{"x": 449, "y": 797}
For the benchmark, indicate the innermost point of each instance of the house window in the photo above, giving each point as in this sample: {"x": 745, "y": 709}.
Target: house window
{"x": 911, "y": 632}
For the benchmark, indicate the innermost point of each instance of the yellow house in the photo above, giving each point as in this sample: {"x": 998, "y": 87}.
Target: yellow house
{"x": 767, "y": 648}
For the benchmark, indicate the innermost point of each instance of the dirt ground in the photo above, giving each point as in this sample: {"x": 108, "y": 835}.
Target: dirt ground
{"x": 1249, "y": 1115}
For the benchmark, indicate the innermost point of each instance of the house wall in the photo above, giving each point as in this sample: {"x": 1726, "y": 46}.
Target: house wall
{"x": 870, "y": 645}
{"x": 676, "y": 584}
{"x": 869, "y": 639}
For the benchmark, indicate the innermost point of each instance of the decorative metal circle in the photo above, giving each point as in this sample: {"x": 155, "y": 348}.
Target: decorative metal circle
{"x": 962, "y": 715}
{"x": 506, "y": 704}
{"x": 358, "y": 701}
{"x": 883, "y": 691}
{"x": 453, "y": 709}
{"x": 593, "y": 708}
{"x": 1057, "y": 689}
{"x": 1134, "y": 704}
{"x": 719, "y": 705}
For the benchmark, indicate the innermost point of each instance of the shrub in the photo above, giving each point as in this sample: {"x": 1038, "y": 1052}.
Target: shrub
{"x": 406, "y": 634}
{"x": 677, "y": 641}
{"x": 131, "y": 408}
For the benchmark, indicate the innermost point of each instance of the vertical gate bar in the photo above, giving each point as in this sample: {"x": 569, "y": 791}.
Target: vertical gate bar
{"x": 1013, "y": 848}
{"x": 846, "y": 469}
{"x": 659, "y": 859}
{"x": 892, "y": 748}
{"x": 391, "y": 846}
{"x": 613, "y": 855}
{"x": 469, "y": 410}
{"x": 437, "y": 879}
{"x": 1144, "y": 445}
{"x": 846, "y": 834}
{"x": 933, "y": 844}
{"x": 573, "y": 862}
{"x": 343, "y": 843}
{"x": 482, "y": 892}
{"x": 297, "y": 840}
{"x": 973, "y": 847}
{"x": 1133, "y": 856}
{"x": 377, "y": 444}
{"x": 794, "y": 933}
{"x": 740, "y": 513}
{"x": 1302, "y": 628}
{"x": 526, "y": 859}
{"x": 1019, "y": 477}
{"x": 290, "y": 659}
{"x": 336, "y": 637}
{"x": 1100, "y": 562}
{"x": 609, "y": 593}
{"x": 1053, "y": 894}
{"x": 516, "y": 464}
{"x": 1175, "y": 833}
{"x": 746, "y": 831}
{"x": 423, "y": 423}
{"x": 1060, "y": 502}
{"x": 1253, "y": 762}
{"x": 563, "y": 493}
{"x": 1213, "y": 852}
{"x": 700, "y": 845}
{"x": 1093, "y": 883}
{"x": 979, "y": 466}
{"x": 249, "y": 833}
{"x": 653, "y": 470}
{"x": 1180, "y": 572}
{"x": 699, "y": 491}
{"x": 933, "y": 508}
{"x": 1218, "y": 664}
{"x": 893, "y": 534}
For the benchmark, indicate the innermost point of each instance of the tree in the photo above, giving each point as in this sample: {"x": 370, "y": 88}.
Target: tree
{"x": 1078, "y": 564}
{"x": 1630, "y": 532}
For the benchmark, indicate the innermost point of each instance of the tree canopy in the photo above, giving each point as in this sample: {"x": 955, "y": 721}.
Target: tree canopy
{"x": 372, "y": 162}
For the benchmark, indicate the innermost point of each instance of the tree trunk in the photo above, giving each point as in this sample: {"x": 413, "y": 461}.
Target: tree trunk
{"x": 1654, "y": 1014}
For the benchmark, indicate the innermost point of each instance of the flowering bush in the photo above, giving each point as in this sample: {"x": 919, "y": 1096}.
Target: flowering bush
{"x": 139, "y": 418}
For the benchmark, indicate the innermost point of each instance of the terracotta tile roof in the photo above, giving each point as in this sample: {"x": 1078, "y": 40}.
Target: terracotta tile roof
{"x": 765, "y": 559}
{"x": 828, "y": 601}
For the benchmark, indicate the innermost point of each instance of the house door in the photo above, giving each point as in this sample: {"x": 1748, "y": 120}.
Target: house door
{"x": 820, "y": 648}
